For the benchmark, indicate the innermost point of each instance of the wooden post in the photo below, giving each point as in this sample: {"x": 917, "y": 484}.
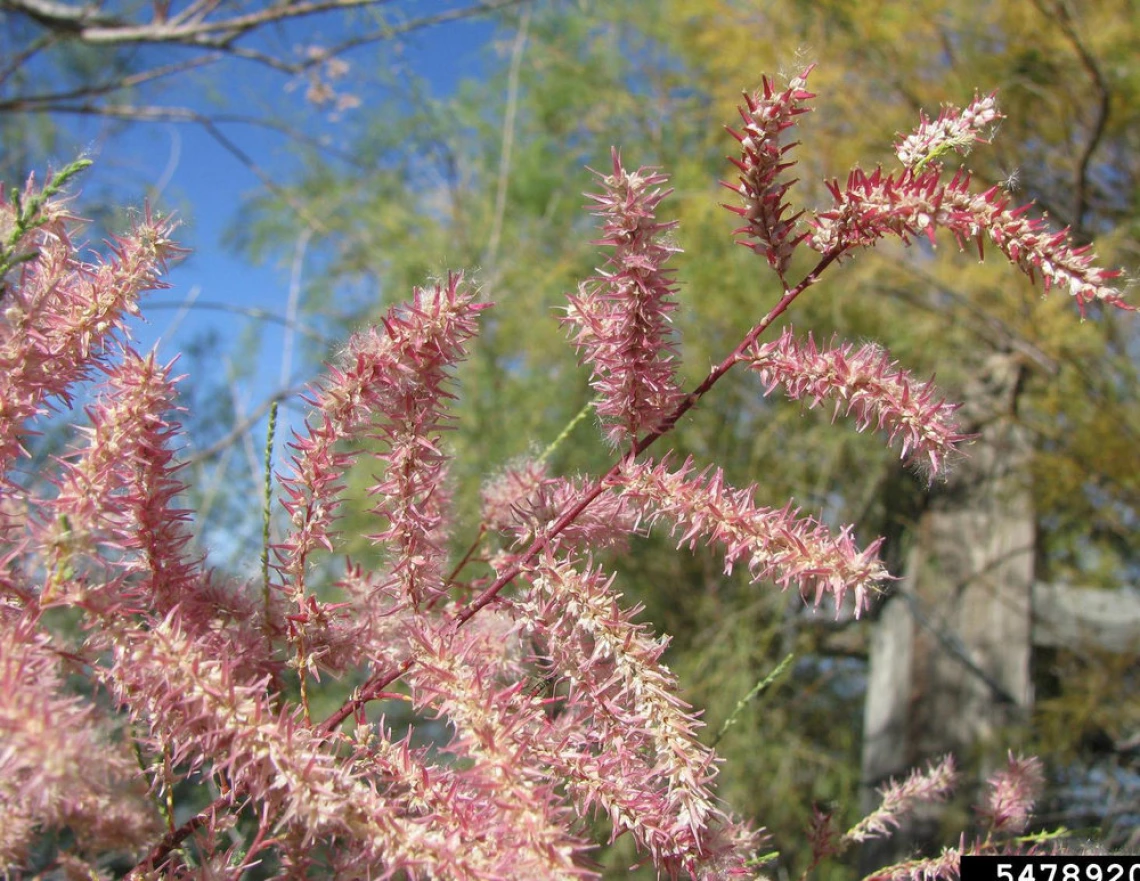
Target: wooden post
{"x": 950, "y": 654}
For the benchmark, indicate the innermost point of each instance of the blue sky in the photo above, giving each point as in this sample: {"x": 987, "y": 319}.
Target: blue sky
{"x": 198, "y": 178}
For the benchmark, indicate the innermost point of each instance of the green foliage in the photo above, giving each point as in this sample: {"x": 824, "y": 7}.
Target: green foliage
{"x": 28, "y": 215}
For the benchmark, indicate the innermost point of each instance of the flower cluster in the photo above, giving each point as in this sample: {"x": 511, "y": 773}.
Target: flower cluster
{"x": 1012, "y": 794}
{"x": 390, "y": 389}
{"x": 1006, "y": 810}
{"x": 524, "y": 500}
{"x": 533, "y": 697}
{"x": 766, "y": 114}
{"x": 899, "y": 798}
{"x": 620, "y": 319}
{"x": 864, "y": 383}
{"x": 59, "y": 313}
{"x": 872, "y": 206}
{"x": 777, "y": 543}
{"x": 919, "y": 201}
{"x": 914, "y": 204}
{"x": 1030, "y": 245}
{"x": 57, "y": 766}
{"x": 658, "y": 783}
{"x": 954, "y": 129}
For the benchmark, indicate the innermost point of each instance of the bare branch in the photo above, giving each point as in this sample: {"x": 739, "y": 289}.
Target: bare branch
{"x": 241, "y": 428}
{"x": 216, "y": 40}
{"x": 49, "y": 102}
{"x": 19, "y": 59}
{"x": 89, "y": 26}
{"x": 1080, "y": 199}
{"x": 248, "y": 312}
{"x": 63, "y": 17}
{"x": 184, "y": 115}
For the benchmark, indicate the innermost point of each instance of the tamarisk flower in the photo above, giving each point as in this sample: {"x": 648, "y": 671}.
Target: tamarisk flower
{"x": 523, "y": 501}
{"x": 202, "y": 710}
{"x": 917, "y": 202}
{"x": 629, "y": 747}
{"x": 864, "y": 383}
{"x": 526, "y": 822}
{"x": 58, "y": 767}
{"x": 58, "y": 312}
{"x": 620, "y": 318}
{"x": 1012, "y": 793}
{"x": 389, "y": 386}
{"x": 121, "y": 493}
{"x": 936, "y": 783}
{"x": 1031, "y": 246}
{"x": 953, "y": 130}
{"x": 766, "y": 114}
{"x": 777, "y": 544}
{"x": 117, "y": 537}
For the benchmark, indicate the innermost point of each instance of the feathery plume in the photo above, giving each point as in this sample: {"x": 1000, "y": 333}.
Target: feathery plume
{"x": 778, "y": 544}
{"x": 936, "y": 783}
{"x": 918, "y": 203}
{"x": 766, "y": 114}
{"x": 620, "y": 319}
{"x": 389, "y": 386}
{"x": 59, "y": 313}
{"x": 1012, "y": 793}
{"x": 867, "y": 384}
{"x": 629, "y": 747}
{"x": 523, "y": 501}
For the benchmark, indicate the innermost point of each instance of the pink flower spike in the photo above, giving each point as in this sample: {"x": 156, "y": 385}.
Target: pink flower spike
{"x": 777, "y": 544}
{"x": 639, "y": 759}
{"x": 522, "y": 501}
{"x": 59, "y": 314}
{"x": 1012, "y": 793}
{"x": 1030, "y": 245}
{"x": 866, "y": 384}
{"x": 389, "y": 386}
{"x": 60, "y": 764}
{"x": 934, "y": 784}
{"x": 917, "y": 203}
{"x": 762, "y": 186}
{"x": 621, "y": 319}
{"x": 954, "y": 129}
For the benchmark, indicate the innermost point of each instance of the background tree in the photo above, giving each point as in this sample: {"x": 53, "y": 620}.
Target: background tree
{"x": 131, "y": 64}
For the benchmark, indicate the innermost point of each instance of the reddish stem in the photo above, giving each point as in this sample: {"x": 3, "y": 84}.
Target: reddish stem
{"x": 571, "y": 514}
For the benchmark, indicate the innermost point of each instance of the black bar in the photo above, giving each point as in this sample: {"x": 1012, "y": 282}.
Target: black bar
{"x": 1051, "y": 868}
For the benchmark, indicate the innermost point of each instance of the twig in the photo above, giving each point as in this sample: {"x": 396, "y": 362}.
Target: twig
{"x": 247, "y": 311}
{"x": 87, "y": 24}
{"x": 241, "y": 428}
{"x": 508, "y": 138}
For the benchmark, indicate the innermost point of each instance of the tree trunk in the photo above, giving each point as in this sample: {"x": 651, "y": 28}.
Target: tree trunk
{"x": 950, "y": 655}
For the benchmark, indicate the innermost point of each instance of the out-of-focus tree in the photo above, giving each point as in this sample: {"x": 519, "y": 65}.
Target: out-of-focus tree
{"x": 132, "y": 63}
